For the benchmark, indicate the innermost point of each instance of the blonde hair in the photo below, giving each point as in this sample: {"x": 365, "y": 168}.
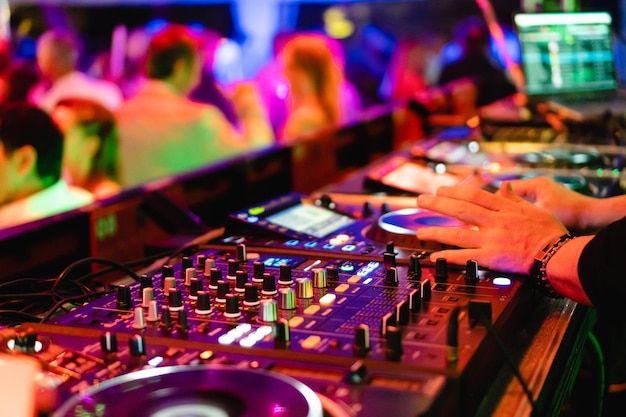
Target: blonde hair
{"x": 311, "y": 54}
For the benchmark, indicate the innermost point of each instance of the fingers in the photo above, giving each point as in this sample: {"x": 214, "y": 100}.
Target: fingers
{"x": 454, "y": 236}
{"x": 477, "y": 196}
{"x": 471, "y": 207}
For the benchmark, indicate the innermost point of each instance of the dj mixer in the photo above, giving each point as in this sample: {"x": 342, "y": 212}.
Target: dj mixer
{"x": 303, "y": 307}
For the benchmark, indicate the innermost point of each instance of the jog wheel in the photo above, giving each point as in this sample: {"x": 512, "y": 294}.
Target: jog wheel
{"x": 401, "y": 227}
{"x": 196, "y": 391}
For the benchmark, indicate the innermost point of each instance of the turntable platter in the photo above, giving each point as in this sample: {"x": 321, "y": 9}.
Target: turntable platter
{"x": 401, "y": 227}
{"x": 196, "y": 391}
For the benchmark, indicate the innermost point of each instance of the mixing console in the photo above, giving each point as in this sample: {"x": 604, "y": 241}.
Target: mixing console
{"x": 283, "y": 330}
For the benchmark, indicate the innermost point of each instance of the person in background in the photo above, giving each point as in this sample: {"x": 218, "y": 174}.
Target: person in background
{"x": 470, "y": 80}
{"x": 57, "y": 58}
{"x": 90, "y": 154}
{"x": 163, "y": 133}
{"x": 208, "y": 91}
{"x": 314, "y": 80}
{"x": 31, "y": 152}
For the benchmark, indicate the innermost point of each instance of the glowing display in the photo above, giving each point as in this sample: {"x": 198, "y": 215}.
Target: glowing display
{"x": 311, "y": 220}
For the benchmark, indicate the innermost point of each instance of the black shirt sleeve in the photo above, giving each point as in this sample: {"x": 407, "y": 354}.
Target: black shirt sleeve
{"x": 602, "y": 267}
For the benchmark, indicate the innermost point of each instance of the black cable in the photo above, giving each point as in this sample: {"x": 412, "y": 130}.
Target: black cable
{"x": 509, "y": 360}
{"x": 59, "y": 304}
{"x": 92, "y": 260}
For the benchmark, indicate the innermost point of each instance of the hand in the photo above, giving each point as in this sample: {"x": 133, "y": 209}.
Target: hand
{"x": 568, "y": 206}
{"x": 506, "y": 231}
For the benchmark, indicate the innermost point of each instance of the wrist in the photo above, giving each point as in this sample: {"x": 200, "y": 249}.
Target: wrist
{"x": 538, "y": 271}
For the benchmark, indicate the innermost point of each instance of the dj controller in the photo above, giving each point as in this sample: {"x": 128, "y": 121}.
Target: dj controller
{"x": 310, "y": 306}
{"x": 302, "y": 307}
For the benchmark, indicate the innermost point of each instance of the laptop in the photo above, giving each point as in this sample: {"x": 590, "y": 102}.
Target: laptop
{"x": 569, "y": 62}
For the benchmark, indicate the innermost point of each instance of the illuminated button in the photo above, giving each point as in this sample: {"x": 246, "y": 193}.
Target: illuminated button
{"x": 335, "y": 242}
{"x": 501, "y": 281}
{"x": 207, "y": 355}
{"x": 342, "y": 288}
{"x": 253, "y": 219}
{"x": 312, "y": 309}
{"x": 343, "y": 237}
{"x": 310, "y": 244}
{"x": 347, "y": 267}
{"x": 348, "y": 248}
{"x": 311, "y": 342}
{"x": 354, "y": 279}
{"x": 296, "y": 322}
{"x": 292, "y": 242}
{"x": 328, "y": 246}
{"x": 328, "y": 299}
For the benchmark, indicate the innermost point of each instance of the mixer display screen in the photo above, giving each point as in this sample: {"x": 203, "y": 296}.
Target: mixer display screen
{"x": 312, "y": 220}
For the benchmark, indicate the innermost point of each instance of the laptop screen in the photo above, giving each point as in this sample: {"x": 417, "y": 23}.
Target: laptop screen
{"x": 566, "y": 52}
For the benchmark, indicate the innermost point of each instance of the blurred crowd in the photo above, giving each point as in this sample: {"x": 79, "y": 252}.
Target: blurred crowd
{"x": 165, "y": 112}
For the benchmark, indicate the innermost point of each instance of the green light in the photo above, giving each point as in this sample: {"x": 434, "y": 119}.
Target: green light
{"x": 255, "y": 211}
{"x": 599, "y": 172}
{"x": 615, "y": 172}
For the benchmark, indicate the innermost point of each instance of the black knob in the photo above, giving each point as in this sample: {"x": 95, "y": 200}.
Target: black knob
{"x": 26, "y": 342}
{"x": 108, "y": 342}
{"x": 281, "y": 331}
{"x": 471, "y": 272}
{"x": 326, "y": 201}
{"x": 186, "y": 263}
{"x": 393, "y": 343}
{"x": 415, "y": 269}
{"x": 361, "y": 340}
{"x": 391, "y": 277}
{"x": 384, "y": 208}
{"x": 241, "y": 281}
{"x": 241, "y": 256}
{"x": 166, "y": 318}
{"x": 332, "y": 273}
{"x": 167, "y": 271}
{"x": 269, "y": 284}
{"x": 367, "y": 210}
{"x": 389, "y": 260}
{"x": 258, "y": 271}
{"x": 233, "y": 267}
{"x": 223, "y": 288}
{"x": 195, "y": 285}
{"x": 124, "y": 300}
{"x": 284, "y": 275}
{"x": 175, "y": 299}
{"x": 145, "y": 281}
{"x": 137, "y": 345}
{"x": 251, "y": 295}
{"x": 200, "y": 262}
{"x": 203, "y": 305}
{"x": 183, "y": 323}
{"x": 441, "y": 270}
{"x": 215, "y": 278}
{"x": 232, "y": 306}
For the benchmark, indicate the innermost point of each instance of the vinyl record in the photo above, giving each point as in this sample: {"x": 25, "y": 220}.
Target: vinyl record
{"x": 401, "y": 227}
{"x": 196, "y": 391}
{"x": 408, "y": 221}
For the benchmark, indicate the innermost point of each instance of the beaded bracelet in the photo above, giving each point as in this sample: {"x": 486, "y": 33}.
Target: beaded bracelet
{"x": 538, "y": 270}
